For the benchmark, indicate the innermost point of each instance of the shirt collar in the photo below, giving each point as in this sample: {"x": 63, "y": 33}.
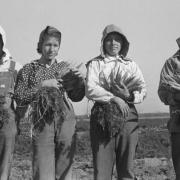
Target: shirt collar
{"x": 46, "y": 65}
{"x": 108, "y": 59}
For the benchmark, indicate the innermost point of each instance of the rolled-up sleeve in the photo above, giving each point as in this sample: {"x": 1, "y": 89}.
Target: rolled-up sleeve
{"x": 23, "y": 91}
{"x": 94, "y": 91}
{"x": 137, "y": 76}
{"x": 165, "y": 93}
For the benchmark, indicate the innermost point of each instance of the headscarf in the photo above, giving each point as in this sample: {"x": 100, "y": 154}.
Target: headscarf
{"x": 7, "y": 54}
{"x": 110, "y": 29}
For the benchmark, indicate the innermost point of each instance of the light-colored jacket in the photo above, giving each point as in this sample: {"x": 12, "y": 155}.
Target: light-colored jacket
{"x": 102, "y": 70}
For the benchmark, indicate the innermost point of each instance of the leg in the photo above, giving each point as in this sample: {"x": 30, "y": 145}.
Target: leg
{"x": 126, "y": 143}
{"x": 103, "y": 154}
{"x": 43, "y": 154}
{"x": 21, "y": 112}
{"x": 7, "y": 142}
{"x": 69, "y": 175}
{"x": 65, "y": 148}
{"x": 175, "y": 145}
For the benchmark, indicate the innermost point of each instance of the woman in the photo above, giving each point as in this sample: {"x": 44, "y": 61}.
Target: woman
{"x": 53, "y": 137}
{"x": 169, "y": 94}
{"x": 8, "y": 130}
{"x": 115, "y": 83}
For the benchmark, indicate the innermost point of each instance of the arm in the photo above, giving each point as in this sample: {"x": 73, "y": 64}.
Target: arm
{"x": 165, "y": 91}
{"x": 94, "y": 90}
{"x": 74, "y": 84}
{"x": 24, "y": 90}
{"x": 138, "y": 91}
{"x": 20, "y": 110}
{"x": 166, "y": 96}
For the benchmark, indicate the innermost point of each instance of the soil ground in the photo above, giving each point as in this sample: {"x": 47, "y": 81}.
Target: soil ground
{"x": 152, "y": 161}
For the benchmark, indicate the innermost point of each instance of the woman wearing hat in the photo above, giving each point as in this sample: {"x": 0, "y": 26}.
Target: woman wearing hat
{"x": 115, "y": 83}
{"x": 40, "y": 84}
{"x": 169, "y": 94}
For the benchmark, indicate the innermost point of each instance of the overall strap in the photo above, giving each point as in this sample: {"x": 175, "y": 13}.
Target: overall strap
{"x": 12, "y": 66}
{"x": 12, "y": 70}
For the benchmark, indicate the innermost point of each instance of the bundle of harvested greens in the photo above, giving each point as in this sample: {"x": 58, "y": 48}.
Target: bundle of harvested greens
{"x": 48, "y": 105}
{"x": 108, "y": 119}
{"x": 69, "y": 79}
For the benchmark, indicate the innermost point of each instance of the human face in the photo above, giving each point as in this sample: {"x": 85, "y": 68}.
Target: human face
{"x": 50, "y": 48}
{"x": 112, "y": 44}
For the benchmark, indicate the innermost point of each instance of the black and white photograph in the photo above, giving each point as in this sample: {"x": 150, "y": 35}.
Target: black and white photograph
{"x": 90, "y": 90}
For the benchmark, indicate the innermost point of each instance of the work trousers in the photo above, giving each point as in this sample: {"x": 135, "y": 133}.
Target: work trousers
{"x": 119, "y": 150}
{"x": 8, "y": 132}
{"x": 53, "y": 150}
{"x": 175, "y": 145}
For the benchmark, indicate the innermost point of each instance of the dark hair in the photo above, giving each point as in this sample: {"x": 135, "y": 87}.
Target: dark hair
{"x": 48, "y": 31}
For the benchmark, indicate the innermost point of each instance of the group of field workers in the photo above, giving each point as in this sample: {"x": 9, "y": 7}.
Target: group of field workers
{"x": 46, "y": 87}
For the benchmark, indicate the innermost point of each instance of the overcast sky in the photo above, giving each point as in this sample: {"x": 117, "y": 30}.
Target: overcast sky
{"x": 151, "y": 26}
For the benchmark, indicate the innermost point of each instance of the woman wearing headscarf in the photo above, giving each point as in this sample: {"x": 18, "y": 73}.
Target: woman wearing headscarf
{"x": 8, "y": 130}
{"x": 115, "y": 83}
{"x": 169, "y": 94}
{"x": 47, "y": 84}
